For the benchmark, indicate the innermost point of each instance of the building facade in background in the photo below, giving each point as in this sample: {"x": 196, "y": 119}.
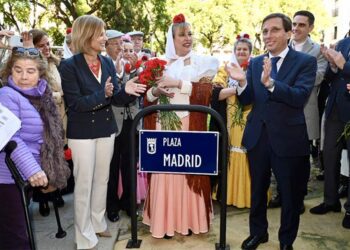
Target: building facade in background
{"x": 339, "y": 11}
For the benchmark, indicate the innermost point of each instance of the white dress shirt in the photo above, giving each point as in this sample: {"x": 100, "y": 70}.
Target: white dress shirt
{"x": 282, "y": 56}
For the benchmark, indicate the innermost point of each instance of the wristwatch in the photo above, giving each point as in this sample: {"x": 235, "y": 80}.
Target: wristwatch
{"x": 271, "y": 84}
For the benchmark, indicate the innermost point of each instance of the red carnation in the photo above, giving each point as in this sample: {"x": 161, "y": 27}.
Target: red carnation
{"x": 146, "y": 78}
{"x": 246, "y": 36}
{"x": 138, "y": 64}
{"x": 67, "y": 154}
{"x": 127, "y": 68}
{"x": 180, "y": 18}
{"x": 238, "y": 37}
{"x": 144, "y": 58}
{"x": 245, "y": 65}
{"x": 68, "y": 31}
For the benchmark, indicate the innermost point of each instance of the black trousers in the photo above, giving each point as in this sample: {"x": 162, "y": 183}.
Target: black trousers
{"x": 13, "y": 229}
{"x": 290, "y": 173}
{"x": 332, "y": 150}
{"x": 120, "y": 162}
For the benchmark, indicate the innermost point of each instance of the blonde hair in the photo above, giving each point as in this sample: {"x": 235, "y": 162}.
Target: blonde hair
{"x": 85, "y": 28}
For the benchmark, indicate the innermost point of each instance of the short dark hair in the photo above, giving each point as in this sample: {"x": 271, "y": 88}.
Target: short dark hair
{"x": 287, "y": 23}
{"x": 306, "y": 13}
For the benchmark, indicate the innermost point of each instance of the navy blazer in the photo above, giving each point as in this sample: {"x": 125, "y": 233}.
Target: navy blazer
{"x": 339, "y": 94}
{"x": 282, "y": 111}
{"x": 89, "y": 112}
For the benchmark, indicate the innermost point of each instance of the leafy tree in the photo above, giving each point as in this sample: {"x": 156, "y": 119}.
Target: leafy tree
{"x": 14, "y": 13}
{"x": 215, "y": 23}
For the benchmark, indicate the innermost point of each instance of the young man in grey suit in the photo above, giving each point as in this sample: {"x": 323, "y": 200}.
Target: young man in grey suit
{"x": 303, "y": 24}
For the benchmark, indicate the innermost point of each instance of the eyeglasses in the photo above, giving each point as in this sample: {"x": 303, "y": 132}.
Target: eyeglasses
{"x": 26, "y": 51}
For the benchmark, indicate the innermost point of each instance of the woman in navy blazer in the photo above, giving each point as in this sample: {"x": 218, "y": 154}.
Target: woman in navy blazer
{"x": 90, "y": 88}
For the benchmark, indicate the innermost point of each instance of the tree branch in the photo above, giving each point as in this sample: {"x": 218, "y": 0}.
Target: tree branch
{"x": 12, "y": 17}
{"x": 94, "y": 7}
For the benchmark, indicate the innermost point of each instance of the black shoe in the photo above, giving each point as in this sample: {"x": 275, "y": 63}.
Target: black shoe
{"x": 275, "y": 202}
{"x": 253, "y": 241}
{"x": 323, "y": 208}
{"x": 167, "y": 237}
{"x": 302, "y": 209}
{"x": 286, "y": 247}
{"x": 44, "y": 208}
{"x": 346, "y": 221}
{"x": 113, "y": 216}
{"x": 189, "y": 232}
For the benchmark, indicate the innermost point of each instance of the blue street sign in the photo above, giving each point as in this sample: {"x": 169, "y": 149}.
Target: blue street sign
{"x": 180, "y": 152}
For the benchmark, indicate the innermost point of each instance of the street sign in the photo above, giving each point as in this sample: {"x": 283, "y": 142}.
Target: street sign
{"x": 180, "y": 152}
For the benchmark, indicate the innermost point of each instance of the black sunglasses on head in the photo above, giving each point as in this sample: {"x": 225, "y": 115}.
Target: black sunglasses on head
{"x": 26, "y": 51}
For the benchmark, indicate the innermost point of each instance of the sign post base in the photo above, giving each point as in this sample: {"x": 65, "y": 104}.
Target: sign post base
{"x": 217, "y": 247}
{"x": 134, "y": 244}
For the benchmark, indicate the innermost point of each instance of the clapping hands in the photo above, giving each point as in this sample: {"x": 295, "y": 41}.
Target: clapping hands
{"x": 267, "y": 67}
{"x": 335, "y": 58}
{"x": 109, "y": 87}
{"x": 236, "y": 73}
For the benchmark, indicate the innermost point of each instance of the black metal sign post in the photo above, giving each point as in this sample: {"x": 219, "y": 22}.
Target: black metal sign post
{"x": 136, "y": 243}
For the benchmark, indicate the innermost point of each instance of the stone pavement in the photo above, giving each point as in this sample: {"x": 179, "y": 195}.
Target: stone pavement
{"x": 320, "y": 232}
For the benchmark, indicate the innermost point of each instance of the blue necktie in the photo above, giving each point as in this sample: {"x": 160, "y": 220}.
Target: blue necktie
{"x": 274, "y": 61}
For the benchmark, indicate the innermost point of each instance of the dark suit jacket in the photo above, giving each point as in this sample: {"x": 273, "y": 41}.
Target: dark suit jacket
{"x": 89, "y": 113}
{"x": 282, "y": 110}
{"x": 339, "y": 95}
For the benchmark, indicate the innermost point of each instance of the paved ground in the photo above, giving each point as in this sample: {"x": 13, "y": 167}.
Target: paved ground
{"x": 315, "y": 233}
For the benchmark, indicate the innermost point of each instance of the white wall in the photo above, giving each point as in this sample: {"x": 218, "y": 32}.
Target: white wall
{"x": 341, "y": 20}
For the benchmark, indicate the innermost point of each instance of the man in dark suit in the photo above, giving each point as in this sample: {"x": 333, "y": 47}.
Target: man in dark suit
{"x": 337, "y": 116}
{"x": 278, "y": 84}
{"x": 303, "y": 24}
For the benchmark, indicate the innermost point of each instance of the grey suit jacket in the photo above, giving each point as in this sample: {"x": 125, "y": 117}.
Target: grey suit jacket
{"x": 311, "y": 107}
{"x": 124, "y": 112}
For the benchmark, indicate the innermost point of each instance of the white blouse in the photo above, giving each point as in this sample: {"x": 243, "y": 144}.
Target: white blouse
{"x": 200, "y": 66}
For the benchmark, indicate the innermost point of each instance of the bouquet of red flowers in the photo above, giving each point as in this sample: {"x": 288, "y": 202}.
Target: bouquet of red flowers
{"x": 152, "y": 70}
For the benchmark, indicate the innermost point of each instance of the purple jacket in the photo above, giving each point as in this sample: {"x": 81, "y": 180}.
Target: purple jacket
{"x": 30, "y": 137}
